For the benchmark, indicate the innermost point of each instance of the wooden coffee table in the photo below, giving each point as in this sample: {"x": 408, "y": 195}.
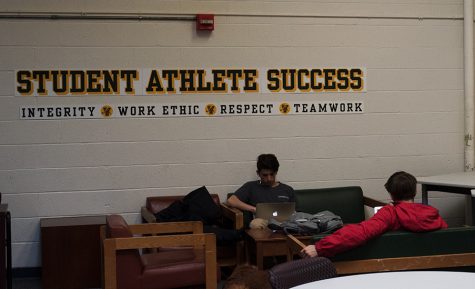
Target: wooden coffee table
{"x": 267, "y": 243}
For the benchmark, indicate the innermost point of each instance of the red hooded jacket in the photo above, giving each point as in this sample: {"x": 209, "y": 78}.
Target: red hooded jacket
{"x": 398, "y": 216}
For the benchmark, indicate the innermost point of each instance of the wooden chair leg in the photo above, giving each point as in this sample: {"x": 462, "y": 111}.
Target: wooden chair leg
{"x": 210, "y": 262}
{"x": 110, "y": 276}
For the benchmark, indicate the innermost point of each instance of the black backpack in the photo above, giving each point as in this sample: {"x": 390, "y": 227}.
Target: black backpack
{"x": 308, "y": 224}
{"x": 197, "y": 205}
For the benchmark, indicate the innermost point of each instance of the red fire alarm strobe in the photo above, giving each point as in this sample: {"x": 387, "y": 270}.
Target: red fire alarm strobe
{"x": 205, "y": 22}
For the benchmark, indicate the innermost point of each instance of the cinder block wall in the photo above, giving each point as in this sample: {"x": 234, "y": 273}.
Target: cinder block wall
{"x": 413, "y": 116}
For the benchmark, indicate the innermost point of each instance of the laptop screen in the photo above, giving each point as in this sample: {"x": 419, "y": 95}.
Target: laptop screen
{"x": 278, "y": 211}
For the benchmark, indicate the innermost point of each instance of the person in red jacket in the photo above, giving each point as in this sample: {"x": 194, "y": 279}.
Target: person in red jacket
{"x": 401, "y": 214}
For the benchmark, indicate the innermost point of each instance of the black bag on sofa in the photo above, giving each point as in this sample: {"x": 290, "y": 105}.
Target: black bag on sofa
{"x": 201, "y": 206}
{"x": 175, "y": 212}
{"x": 197, "y": 205}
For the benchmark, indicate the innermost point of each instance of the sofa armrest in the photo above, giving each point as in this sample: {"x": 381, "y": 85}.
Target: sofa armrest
{"x": 233, "y": 214}
{"x": 370, "y": 202}
{"x": 147, "y": 215}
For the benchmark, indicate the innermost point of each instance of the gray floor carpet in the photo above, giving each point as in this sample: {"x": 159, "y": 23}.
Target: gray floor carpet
{"x": 26, "y": 283}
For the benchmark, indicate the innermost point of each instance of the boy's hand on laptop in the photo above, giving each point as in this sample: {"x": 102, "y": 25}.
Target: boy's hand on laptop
{"x": 309, "y": 251}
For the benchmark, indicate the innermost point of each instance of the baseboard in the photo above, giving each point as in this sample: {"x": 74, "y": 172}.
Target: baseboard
{"x": 26, "y": 272}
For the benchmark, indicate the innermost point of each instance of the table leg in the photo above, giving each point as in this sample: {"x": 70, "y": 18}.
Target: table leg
{"x": 9, "y": 251}
{"x": 425, "y": 199}
{"x": 289, "y": 255}
{"x": 470, "y": 209}
{"x": 259, "y": 256}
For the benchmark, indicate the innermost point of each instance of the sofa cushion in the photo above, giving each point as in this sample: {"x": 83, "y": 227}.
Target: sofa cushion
{"x": 346, "y": 202}
{"x": 172, "y": 257}
{"x": 183, "y": 274}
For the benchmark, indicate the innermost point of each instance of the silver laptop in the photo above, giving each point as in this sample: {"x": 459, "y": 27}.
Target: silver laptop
{"x": 278, "y": 211}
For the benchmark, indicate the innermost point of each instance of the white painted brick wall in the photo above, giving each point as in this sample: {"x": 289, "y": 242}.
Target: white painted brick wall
{"x": 413, "y": 105}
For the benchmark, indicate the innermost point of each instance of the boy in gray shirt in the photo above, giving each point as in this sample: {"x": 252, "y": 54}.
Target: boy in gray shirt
{"x": 265, "y": 190}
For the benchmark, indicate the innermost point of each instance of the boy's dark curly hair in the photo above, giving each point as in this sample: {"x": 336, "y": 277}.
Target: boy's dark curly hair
{"x": 401, "y": 186}
{"x": 267, "y": 162}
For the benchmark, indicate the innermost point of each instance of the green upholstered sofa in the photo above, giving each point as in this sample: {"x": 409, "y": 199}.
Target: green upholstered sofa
{"x": 347, "y": 202}
{"x": 397, "y": 250}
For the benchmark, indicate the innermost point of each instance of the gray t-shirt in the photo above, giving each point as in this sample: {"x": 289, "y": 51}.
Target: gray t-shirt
{"x": 253, "y": 192}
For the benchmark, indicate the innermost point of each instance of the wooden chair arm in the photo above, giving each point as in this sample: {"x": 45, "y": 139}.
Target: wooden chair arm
{"x": 195, "y": 227}
{"x": 190, "y": 240}
{"x": 147, "y": 215}
{"x": 115, "y": 244}
{"x": 370, "y": 202}
{"x": 233, "y": 214}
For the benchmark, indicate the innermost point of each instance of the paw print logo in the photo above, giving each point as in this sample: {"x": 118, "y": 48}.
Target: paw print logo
{"x": 211, "y": 109}
{"x": 107, "y": 110}
{"x": 284, "y": 108}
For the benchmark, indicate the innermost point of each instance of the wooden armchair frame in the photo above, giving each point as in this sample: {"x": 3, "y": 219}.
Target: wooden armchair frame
{"x": 390, "y": 264}
{"x": 197, "y": 239}
{"x": 232, "y": 214}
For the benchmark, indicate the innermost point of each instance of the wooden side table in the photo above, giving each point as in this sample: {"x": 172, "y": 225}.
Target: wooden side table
{"x": 71, "y": 252}
{"x": 266, "y": 243}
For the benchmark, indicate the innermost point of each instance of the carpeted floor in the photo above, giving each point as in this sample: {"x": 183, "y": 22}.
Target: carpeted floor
{"x": 26, "y": 283}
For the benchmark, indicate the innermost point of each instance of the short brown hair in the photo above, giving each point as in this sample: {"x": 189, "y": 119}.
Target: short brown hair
{"x": 267, "y": 162}
{"x": 248, "y": 277}
{"x": 401, "y": 186}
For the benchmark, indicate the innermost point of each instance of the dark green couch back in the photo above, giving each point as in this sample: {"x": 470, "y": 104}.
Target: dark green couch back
{"x": 346, "y": 202}
{"x": 403, "y": 244}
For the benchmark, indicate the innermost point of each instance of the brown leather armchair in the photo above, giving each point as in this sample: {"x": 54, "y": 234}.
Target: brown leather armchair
{"x": 228, "y": 255}
{"x": 191, "y": 255}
